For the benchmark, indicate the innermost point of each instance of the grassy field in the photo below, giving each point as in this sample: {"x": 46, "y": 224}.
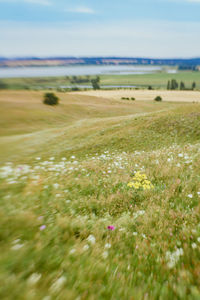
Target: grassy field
{"x": 157, "y": 80}
{"x": 99, "y": 198}
{"x": 172, "y": 96}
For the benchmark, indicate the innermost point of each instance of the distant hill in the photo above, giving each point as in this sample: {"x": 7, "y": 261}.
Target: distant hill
{"x": 63, "y": 61}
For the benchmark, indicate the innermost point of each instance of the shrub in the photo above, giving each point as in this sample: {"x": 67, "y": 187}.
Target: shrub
{"x": 50, "y": 99}
{"x": 125, "y": 98}
{"x": 132, "y": 98}
{"x": 158, "y": 98}
{"x": 3, "y": 85}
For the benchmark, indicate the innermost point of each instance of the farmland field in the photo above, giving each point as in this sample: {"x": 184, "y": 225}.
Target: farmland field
{"x": 100, "y": 197}
{"x": 157, "y": 80}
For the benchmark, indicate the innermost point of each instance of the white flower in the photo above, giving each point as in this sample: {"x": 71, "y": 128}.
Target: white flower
{"x": 180, "y": 155}
{"x": 190, "y": 196}
{"x": 105, "y": 254}
{"x": 198, "y": 193}
{"x": 51, "y": 158}
{"x": 91, "y": 239}
{"x": 72, "y": 251}
{"x": 107, "y": 246}
{"x": 38, "y": 158}
{"x": 58, "y": 284}
{"x": 194, "y": 245}
{"x": 56, "y": 185}
{"x": 34, "y": 278}
{"x": 86, "y": 247}
{"x": 135, "y": 233}
{"x": 198, "y": 239}
{"x": 17, "y": 246}
{"x": 73, "y": 157}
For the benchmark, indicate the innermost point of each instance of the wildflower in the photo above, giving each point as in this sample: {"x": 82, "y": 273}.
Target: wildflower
{"x": 190, "y": 196}
{"x": 17, "y": 246}
{"x": 194, "y": 245}
{"x": 105, "y": 254}
{"x": 110, "y": 227}
{"x": 73, "y": 157}
{"x": 91, "y": 239}
{"x": 34, "y": 278}
{"x": 42, "y": 227}
{"x": 198, "y": 239}
{"x": 56, "y": 185}
{"x": 173, "y": 257}
{"x": 140, "y": 181}
{"x": 134, "y": 233}
{"x": 72, "y": 251}
{"x": 86, "y": 247}
{"x": 58, "y": 284}
{"x": 107, "y": 246}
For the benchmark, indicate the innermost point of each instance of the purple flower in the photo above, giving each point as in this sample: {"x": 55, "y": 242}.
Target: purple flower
{"x": 42, "y": 227}
{"x": 111, "y": 227}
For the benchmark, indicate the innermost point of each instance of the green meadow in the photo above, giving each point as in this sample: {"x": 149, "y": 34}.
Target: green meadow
{"x": 100, "y": 198}
{"x": 157, "y": 80}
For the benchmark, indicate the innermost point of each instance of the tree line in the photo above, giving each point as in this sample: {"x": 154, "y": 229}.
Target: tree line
{"x": 174, "y": 85}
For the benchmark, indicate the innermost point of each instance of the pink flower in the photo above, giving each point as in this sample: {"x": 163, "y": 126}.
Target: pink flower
{"x": 111, "y": 227}
{"x": 42, "y": 227}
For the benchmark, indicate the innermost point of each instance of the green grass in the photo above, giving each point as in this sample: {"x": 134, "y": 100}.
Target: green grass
{"x": 156, "y": 80}
{"x": 62, "y": 185}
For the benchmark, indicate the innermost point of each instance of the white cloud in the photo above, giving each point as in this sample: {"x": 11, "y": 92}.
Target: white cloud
{"x": 38, "y": 2}
{"x": 81, "y": 10}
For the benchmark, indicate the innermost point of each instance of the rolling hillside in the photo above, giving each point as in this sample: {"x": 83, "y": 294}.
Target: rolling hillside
{"x": 99, "y": 198}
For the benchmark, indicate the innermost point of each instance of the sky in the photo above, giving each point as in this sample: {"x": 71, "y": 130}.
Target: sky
{"x": 133, "y": 28}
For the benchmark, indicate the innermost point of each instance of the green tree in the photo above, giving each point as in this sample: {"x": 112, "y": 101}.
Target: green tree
{"x": 193, "y": 85}
{"x": 96, "y": 83}
{"x": 174, "y": 84}
{"x": 158, "y": 98}
{"x": 50, "y": 99}
{"x": 3, "y": 85}
{"x": 182, "y": 86}
{"x": 168, "y": 85}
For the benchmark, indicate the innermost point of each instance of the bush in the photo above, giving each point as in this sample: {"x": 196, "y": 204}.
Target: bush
{"x": 132, "y": 98}
{"x": 3, "y": 85}
{"x": 125, "y": 98}
{"x": 158, "y": 98}
{"x": 50, "y": 99}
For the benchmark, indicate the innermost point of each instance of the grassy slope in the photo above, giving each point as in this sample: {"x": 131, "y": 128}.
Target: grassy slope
{"x": 80, "y": 196}
{"x": 157, "y": 80}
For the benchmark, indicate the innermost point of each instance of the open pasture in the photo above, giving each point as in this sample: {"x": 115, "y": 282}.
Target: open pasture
{"x": 100, "y": 198}
{"x": 172, "y": 96}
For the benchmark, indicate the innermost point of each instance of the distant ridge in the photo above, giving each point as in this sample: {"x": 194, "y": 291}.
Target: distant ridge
{"x": 63, "y": 61}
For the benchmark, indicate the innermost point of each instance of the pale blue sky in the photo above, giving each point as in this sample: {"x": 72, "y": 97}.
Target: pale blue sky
{"x": 148, "y": 28}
